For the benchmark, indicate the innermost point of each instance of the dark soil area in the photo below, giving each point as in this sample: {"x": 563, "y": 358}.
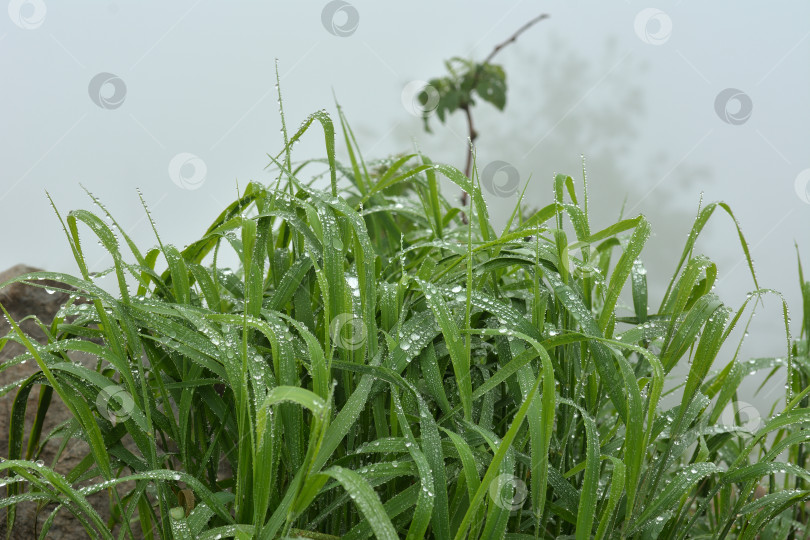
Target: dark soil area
{"x": 22, "y": 301}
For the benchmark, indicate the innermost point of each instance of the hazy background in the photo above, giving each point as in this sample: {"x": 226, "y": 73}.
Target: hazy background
{"x": 632, "y": 86}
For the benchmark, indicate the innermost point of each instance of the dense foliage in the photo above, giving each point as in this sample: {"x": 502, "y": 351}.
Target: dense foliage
{"x": 378, "y": 365}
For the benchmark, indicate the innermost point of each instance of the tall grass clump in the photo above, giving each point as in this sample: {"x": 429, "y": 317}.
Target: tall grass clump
{"x": 384, "y": 364}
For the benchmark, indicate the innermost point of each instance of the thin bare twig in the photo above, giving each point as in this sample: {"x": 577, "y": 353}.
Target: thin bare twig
{"x": 515, "y": 35}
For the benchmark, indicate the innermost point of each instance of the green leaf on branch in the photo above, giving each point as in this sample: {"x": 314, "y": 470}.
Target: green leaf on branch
{"x": 457, "y": 90}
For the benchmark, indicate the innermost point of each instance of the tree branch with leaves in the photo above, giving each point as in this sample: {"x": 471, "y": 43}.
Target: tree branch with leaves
{"x": 466, "y": 79}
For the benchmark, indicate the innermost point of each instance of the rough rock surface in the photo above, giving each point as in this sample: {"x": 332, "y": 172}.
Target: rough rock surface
{"x": 23, "y": 300}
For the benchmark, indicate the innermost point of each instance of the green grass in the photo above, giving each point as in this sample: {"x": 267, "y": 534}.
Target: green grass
{"x": 375, "y": 366}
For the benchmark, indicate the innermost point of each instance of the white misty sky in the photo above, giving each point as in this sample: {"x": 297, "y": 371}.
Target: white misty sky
{"x": 637, "y": 100}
